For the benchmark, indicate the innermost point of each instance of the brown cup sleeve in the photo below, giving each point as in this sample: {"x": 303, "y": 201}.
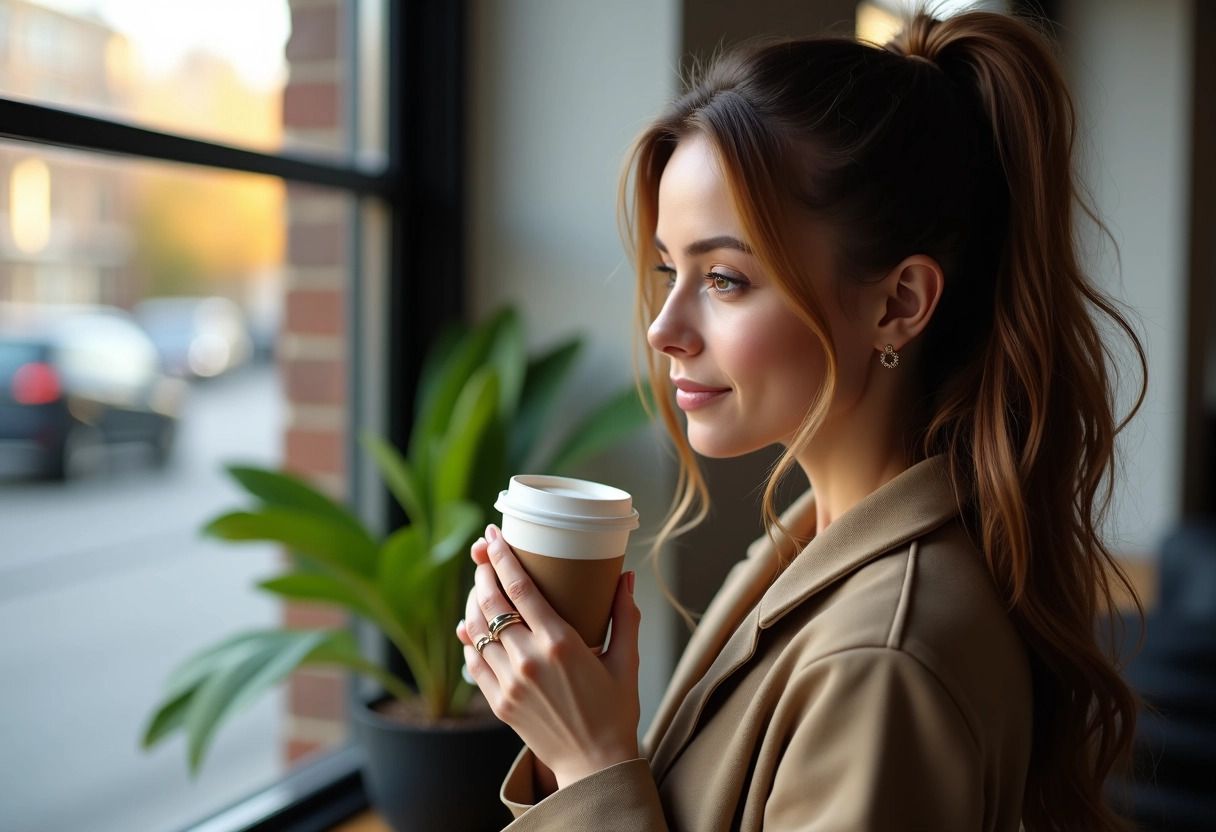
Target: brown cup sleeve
{"x": 580, "y": 591}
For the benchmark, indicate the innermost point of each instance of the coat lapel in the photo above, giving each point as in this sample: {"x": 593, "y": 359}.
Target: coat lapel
{"x": 742, "y": 588}
{"x": 917, "y": 501}
{"x": 913, "y": 504}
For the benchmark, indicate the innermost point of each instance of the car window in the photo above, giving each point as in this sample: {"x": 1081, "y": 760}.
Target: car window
{"x": 13, "y": 354}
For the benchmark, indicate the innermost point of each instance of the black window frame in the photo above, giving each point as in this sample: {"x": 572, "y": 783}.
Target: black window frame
{"x": 422, "y": 187}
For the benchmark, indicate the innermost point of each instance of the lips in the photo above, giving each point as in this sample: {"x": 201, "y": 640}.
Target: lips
{"x": 691, "y": 395}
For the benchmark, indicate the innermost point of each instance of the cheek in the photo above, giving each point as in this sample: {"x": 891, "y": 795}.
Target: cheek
{"x": 790, "y": 359}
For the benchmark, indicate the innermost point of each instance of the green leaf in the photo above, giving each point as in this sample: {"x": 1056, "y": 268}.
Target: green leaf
{"x": 403, "y": 563}
{"x": 399, "y": 477}
{"x": 333, "y": 545}
{"x": 287, "y": 491}
{"x": 437, "y": 354}
{"x": 458, "y": 522}
{"x": 170, "y": 717}
{"x": 489, "y": 470}
{"x": 475, "y": 411}
{"x": 541, "y": 385}
{"x": 190, "y": 673}
{"x": 305, "y": 586}
{"x": 308, "y": 541}
{"x": 508, "y": 353}
{"x": 342, "y": 650}
{"x": 451, "y": 378}
{"x": 235, "y": 686}
{"x": 610, "y": 423}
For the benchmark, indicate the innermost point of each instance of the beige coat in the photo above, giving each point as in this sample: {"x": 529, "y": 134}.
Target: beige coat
{"x": 877, "y": 685}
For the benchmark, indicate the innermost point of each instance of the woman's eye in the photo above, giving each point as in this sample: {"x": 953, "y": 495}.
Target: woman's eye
{"x": 669, "y": 272}
{"x": 725, "y": 285}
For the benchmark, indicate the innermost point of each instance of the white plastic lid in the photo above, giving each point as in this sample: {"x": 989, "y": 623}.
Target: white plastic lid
{"x": 567, "y": 503}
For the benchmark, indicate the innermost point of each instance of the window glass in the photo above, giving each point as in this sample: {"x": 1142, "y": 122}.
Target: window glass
{"x": 15, "y": 354}
{"x": 193, "y": 319}
{"x": 253, "y": 73}
{"x": 877, "y": 21}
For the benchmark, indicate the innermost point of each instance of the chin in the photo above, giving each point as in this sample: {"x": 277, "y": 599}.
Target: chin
{"x": 713, "y": 445}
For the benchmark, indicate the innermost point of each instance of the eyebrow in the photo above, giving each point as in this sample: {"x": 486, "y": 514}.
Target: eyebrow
{"x": 707, "y": 245}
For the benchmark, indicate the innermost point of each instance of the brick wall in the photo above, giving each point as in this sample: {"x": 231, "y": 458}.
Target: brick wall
{"x": 312, "y": 349}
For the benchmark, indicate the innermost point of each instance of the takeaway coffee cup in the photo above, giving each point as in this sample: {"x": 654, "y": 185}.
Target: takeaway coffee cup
{"x": 570, "y": 536}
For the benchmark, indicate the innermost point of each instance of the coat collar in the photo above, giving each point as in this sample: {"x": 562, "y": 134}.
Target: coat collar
{"x": 912, "y": 504}
{"x": 917, "y": 501}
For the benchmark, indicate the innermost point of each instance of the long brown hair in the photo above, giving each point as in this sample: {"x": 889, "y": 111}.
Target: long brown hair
{"x": 954, "y": 140}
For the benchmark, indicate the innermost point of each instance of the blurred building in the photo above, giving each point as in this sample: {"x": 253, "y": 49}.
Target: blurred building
{"x": 92, "y": 229}
{"x": 64, "y": 220}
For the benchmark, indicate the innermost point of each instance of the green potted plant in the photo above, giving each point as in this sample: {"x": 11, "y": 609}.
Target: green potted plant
{"x": 481, "y": 407}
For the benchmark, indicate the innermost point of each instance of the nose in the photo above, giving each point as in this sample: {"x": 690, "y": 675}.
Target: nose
{"x": 674, "y": 332}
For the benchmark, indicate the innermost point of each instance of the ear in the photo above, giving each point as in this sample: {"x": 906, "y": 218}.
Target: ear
{"x": 906, "y": 299}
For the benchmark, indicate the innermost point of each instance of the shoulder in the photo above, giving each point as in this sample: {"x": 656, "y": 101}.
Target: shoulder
{"x": 955, "y": 623}
{"x": 928, "y": 609}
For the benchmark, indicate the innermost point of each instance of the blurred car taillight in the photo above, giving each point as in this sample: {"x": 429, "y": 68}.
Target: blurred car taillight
{"x": 35, "y": 383}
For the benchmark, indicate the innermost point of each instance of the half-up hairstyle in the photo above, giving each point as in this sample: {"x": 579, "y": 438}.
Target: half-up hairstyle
{"x": 953, "y": 141}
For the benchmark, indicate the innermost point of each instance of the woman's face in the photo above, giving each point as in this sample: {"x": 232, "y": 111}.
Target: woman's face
{"x": 746, "y": 368}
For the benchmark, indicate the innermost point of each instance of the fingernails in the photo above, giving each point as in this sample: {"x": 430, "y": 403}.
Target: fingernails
{"x": 632, "y": 578}
{"x": 492, "y": 532}
{"x": 459, "y": 624}
{"x": 480, "y": 540}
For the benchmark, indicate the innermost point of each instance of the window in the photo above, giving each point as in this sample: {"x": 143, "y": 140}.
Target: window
{"x": 164, "y": 240}
{"x": 877, "y": 21}
{"x": 253, "y": 73}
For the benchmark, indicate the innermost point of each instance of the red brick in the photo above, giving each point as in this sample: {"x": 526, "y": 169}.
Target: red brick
{"x": 311, "y": 104}
{"x": 316, "y": 244}
{"x": 315, "y": 452}
{"x": 315, "y": 381}
{"x": 315, "y": 311}
{"x": 317, "y": 694}
{"x": 298, "y": 750}
{"x": 299, "y": 616}
{"x": 314, "y": 34}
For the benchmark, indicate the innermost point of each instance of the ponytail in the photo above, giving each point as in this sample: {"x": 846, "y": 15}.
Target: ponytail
{"x": 1039, "y": 417}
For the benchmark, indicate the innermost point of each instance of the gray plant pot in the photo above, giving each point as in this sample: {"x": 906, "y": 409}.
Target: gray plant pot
{"x": 435, "y": 779}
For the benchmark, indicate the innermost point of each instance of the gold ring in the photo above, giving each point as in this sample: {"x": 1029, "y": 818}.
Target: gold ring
{"x": 482, "y": 642}
{"x": 501, "y": 622}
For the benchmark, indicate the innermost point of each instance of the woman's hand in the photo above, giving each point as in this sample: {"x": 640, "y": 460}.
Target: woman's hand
{"x": 576, "y": 710}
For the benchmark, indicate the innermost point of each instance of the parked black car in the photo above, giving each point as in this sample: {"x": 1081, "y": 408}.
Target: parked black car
{"x": 75, "y": 380}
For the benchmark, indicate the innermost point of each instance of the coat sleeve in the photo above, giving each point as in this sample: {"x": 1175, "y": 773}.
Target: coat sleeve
{"x": 620, "y": 798}
{"x": 873, "y": 741}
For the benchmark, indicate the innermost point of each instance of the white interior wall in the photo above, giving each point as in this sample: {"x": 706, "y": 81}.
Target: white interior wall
{"x": 557, "y": 92}
{"x": 1130, "y": 64}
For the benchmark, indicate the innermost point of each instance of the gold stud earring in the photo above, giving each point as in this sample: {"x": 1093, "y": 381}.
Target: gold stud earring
{"x": 889, "y": 358}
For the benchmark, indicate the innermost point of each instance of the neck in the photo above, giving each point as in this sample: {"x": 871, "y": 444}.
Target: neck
{"x": 849, "y": 460}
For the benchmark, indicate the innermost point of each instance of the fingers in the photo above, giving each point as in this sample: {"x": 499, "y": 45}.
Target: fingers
{"x": 479, "y": 665}
{"x": 520, "y": 592}
{"x": 478, "y": 551}
{"x": 462, "y": 633}
{"x": 622, "y": 655}
{"x": 462, "y": 636}
{"x": 475, "y": 621}
{"x": 492, "y": 604}
{"x": 483, "y": 676}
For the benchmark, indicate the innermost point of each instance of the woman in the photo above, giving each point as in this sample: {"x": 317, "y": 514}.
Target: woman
{"x": 866, "y": 256}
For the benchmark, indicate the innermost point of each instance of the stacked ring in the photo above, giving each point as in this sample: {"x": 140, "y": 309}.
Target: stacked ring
{"x": 482, "y": 642}
{"x": 501, "y": 622}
